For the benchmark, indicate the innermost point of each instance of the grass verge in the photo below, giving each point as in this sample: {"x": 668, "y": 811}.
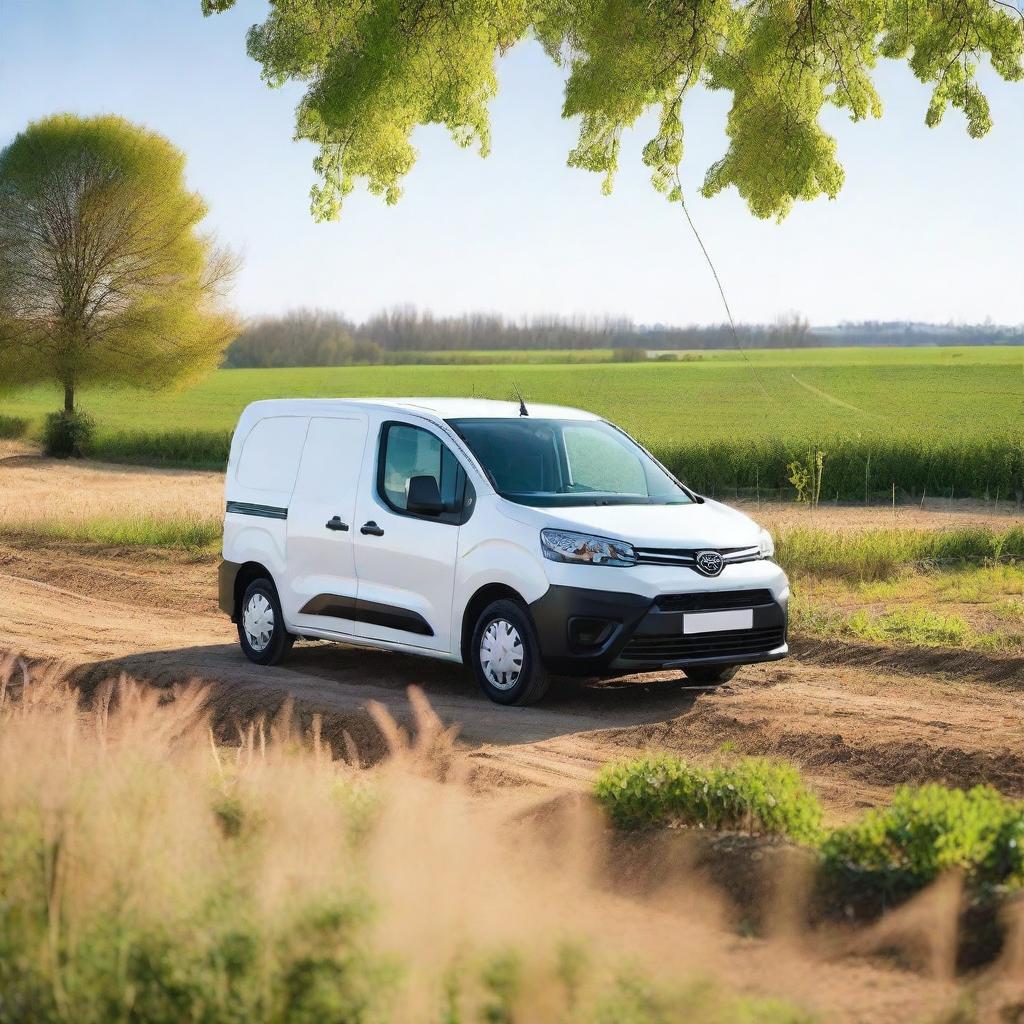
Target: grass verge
{"x": 186, "y": 534}
{"x": 921, "y": 627}
{"x": 879, "y": 554}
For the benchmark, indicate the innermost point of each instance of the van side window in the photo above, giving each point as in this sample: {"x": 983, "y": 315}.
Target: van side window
{"x": 407, "y": 451}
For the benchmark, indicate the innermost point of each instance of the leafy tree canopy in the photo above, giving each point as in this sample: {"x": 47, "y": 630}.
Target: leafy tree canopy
{"x": 104, "y": 274}
{"x": 375, "y": 69}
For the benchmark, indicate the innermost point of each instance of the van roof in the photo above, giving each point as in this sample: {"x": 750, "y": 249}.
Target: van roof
{"x": 441, "y": 408}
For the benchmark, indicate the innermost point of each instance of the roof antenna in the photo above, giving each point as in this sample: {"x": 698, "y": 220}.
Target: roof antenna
{"x": 523, "y": 411}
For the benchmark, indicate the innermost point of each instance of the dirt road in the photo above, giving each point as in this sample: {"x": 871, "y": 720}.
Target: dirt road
{"x": 857, "y": 719}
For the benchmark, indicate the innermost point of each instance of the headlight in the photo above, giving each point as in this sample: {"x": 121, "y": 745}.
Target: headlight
{"x": 562, "y": 546}
{"x": 767, "y": 545}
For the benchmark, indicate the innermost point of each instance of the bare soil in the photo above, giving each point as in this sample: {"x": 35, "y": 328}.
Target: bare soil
{"x": 858, "y": 719}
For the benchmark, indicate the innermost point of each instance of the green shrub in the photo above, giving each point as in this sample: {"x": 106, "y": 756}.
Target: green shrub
{"x": 12, "y": 427}
{"x": 752, "y": 795}
{"x": 68, "y": 434}
{"x": 201, "y": 449}
{"x": 928, "y": 830}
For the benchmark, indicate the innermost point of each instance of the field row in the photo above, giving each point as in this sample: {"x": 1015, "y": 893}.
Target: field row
{"x": 940, "y": 422}
{"x": 948, "y": 393}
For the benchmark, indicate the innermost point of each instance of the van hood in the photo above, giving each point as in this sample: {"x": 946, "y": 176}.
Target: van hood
{"x": 701, "y": 525}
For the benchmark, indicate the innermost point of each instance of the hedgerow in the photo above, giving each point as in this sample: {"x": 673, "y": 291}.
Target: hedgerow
{"x": 854, "y": 468}
{"x": 752, "y": 795}
{"x": 201, "y": 449}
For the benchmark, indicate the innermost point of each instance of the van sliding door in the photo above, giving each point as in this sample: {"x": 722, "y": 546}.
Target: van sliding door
{"x": 320, "y": 586}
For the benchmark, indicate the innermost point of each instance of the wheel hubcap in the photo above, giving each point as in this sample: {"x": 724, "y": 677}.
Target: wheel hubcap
{"x": 258, "y": 622}
{"x": 501, "y": 654}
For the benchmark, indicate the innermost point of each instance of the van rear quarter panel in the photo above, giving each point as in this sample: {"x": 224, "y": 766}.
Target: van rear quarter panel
{"x": 260, "y": 478}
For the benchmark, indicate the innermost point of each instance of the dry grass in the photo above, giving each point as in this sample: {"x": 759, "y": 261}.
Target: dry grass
{"x": 72, "y": 490}
{"x": 155, "y": 872}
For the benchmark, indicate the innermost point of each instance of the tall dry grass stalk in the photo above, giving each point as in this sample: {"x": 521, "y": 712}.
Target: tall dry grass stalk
{"x": 153, "y": 871}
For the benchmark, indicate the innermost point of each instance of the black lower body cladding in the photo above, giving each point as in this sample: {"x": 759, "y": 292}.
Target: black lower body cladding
{"x": 596, "y": 632}
{"x": 227, "y": 573}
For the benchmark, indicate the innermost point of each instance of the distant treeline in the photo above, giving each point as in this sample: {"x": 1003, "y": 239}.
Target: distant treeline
{"x": 317, "y": 338}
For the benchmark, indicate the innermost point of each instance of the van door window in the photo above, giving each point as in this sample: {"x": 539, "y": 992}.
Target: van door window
{"x": 407, "y": 451}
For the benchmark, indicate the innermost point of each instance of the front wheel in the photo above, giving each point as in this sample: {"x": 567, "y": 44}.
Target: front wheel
{"x": 711, "y": 675}
{"x": 506, "y": 655}
{"x": 261, "y": 631}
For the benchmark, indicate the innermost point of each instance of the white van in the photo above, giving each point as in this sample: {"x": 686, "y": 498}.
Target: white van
{"x": 524, "y": 542}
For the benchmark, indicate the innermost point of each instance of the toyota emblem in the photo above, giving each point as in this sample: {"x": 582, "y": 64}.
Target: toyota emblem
{"x": 710, "y": 563}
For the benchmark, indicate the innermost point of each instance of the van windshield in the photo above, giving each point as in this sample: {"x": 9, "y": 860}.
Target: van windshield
{"x": 567, "y": 462}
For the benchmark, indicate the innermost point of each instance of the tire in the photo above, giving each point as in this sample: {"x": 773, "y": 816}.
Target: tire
{"x": 711, "y": 675}
{"x": 260, "y": 607}
{"x": 506, "y": 657}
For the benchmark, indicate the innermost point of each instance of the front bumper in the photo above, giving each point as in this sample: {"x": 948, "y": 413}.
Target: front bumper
{"x": 628, "y": 633}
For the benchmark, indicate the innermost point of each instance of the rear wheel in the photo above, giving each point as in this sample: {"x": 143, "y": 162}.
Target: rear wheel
{"x": 506, "y": 655}
{"x": 261, "y": 631}
{"x": 711, "y": 675}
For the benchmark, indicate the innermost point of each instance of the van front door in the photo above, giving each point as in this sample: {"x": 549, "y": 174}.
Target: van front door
{"x": 405, "y": 560}
{"x": 320, "y": 589}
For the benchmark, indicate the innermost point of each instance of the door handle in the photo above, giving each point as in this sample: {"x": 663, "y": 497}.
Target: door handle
{"x": 372, "y": 529}
{"x": 335, "y": 523}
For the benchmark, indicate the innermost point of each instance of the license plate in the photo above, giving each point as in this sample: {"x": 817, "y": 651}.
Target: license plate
{"x": 718, "y": 622}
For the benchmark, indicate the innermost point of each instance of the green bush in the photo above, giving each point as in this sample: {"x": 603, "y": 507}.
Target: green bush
{"x": 68, "y": 434}
{"x": 898, "y": 849}
{"x": 928, "y": 830}
{"x": 12, "y": 427}
{"x": 201, "y": 449}
{"x": 752, "y": 795}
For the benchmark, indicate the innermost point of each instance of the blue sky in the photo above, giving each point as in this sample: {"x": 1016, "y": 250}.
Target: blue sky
{"x": 929, "y": 225}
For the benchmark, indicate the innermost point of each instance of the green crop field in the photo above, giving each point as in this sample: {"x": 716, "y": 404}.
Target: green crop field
{"x": 946, "y": 420}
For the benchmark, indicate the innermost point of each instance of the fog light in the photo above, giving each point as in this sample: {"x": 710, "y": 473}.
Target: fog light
{"x": 585, "y": 632}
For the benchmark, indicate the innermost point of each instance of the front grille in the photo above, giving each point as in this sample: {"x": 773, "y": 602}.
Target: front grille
{"x": 714, "y": 600}
{"x": 678, "y": 646}
{"x": 688, "y": 556}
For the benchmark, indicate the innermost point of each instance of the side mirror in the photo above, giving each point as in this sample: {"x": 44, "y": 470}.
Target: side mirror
{"x": 424, "y": 497}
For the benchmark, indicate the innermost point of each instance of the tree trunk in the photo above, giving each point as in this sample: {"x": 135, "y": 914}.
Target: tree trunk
{"x": 69, "y": 399}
